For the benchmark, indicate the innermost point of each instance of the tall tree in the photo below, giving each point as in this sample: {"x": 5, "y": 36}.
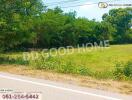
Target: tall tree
{"x": 16, "y": 21}
{"x": 120, "y": 19}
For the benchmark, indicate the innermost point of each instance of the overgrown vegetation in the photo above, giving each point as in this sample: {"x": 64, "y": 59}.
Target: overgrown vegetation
{"x": 6, "y": 59}
{"x": 123, "y": 71}
{"x": 98, "y": 64}
{"x": 60, "y": 65}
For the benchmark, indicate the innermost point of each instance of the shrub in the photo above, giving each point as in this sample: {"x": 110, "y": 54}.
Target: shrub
{"x": 43, "y": 63}
{"x": 128, "y": 69}
{"x": 83, "y": 70}
{"x": 67, "y": 67}
{"x": 123, "y": 71}
{"x": 118, "y": 71}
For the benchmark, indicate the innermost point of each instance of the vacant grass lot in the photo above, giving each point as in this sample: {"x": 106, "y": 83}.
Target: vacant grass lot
{"x": 98, "y": 63}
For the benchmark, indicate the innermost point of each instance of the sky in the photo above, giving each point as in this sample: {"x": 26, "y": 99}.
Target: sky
{"x": 88, "y": 11}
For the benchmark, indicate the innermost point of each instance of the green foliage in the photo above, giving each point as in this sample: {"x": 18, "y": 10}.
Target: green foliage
{"x": 55, "y": 28}
{"x": 59, "y": 65}
{"x": 28, "y": 24}
{"x": 83, "y": 70}
{"x": 12, "y": 60}
{"x": 128, "y": 69}
{"x": 119, "y": 72}
{"x": 16, "y": 21}
{"x": 123, "y": 71}
{"x": 120, "y": 19}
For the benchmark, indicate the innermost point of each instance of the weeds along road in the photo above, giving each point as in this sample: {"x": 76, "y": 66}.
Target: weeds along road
{"x": 55, "y": 91}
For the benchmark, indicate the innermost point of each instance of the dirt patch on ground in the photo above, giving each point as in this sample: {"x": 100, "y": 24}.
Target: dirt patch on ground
{"x": 108, "y": 85}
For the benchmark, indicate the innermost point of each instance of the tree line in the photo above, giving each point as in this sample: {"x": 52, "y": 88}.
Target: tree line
{"x": 30, "y": 24}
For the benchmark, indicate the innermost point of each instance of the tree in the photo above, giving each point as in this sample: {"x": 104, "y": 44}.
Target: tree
{"x": 16, "y": 21}
{"x": 49, "y": 28}
{"x": 120, "y": 19}
{"x": 104, "y": 31}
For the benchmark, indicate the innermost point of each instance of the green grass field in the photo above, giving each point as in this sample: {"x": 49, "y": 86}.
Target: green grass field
{"x": 97, "y": 63}
{"x": 102, "y": 59}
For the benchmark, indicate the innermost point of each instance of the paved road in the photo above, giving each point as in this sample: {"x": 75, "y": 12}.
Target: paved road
{"x": 55, "y": 91}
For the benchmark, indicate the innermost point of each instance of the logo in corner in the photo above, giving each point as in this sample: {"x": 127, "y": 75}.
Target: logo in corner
{"x": 102, "y": 5}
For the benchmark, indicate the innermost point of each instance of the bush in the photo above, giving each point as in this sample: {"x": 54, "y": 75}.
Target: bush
{"x": 128, "y": 69}
{"x": 83, "y": 70}
{"x": 43, "y": 63}
{"x": 67, "y": 67}
{"x": 119, "y": 72}
{"x": 123, "y": 71}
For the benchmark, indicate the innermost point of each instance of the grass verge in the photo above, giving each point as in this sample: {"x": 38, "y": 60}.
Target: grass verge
{"x": 124, "y": 87}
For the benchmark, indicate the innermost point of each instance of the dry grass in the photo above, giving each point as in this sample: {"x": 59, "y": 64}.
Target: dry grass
{"x": 124, "y": 87}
